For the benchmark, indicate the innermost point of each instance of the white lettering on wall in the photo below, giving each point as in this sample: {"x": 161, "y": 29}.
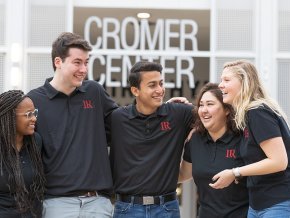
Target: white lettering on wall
{"x": 167, "y": 70}
{"x": 91, "y": 63}
{"x": 145, "y": 35}
{"x": 190, "y": 36}
{"x": 187, "y": 71}
{"x": 112, "y": 35}
{"x": 136, "y": 33}
{"x": 162, "y": 36}
{"x": 90, "y": 21}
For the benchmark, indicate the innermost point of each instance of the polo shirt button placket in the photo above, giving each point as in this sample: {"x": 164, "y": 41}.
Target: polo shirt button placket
{"x": 21, "y": 159}
{"x": 147, "y": 128}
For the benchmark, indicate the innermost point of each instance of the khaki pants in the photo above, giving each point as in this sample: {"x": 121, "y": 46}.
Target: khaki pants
{"x": 77, "y": 207}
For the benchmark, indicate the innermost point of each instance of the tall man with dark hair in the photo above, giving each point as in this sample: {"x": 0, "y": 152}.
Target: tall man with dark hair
{"x": 146, "y": 145}
{"x": 71, "y": 120}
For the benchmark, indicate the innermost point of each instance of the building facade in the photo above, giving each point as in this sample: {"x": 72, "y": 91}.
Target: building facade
{"x": 190, "y": 38}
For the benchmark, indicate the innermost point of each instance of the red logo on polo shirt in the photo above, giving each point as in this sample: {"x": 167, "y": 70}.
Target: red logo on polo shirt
{"x": 246, "y": 133}
{"x": 87, "y": 104}
{"x": 231, "y": 153}
{"x": 165, "y": 125}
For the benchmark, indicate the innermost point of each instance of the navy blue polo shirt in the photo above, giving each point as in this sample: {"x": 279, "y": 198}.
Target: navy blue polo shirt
{"x": 274, "y": 188}
{"x": 208, "y": 158}
{"x": 146, "y": 150}
{"x": 75, "y": 154}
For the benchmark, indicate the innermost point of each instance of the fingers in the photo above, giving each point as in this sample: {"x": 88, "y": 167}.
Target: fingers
{"x": 215, "y": 177}
{"x": 179, "y": 100}
{"x": 216, "y": 183}
{"x": 184, "y": 101}
{"x": 215, "y": 186}
{"x": 222, "y": 179}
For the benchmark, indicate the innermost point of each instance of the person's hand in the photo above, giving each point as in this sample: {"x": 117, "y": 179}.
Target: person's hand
{"x": 179, "y": 100}
{"x": 222, "y": 179}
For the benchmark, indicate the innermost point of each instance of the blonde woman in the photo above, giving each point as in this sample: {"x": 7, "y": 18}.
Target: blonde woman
{"x": 266, "y": 142}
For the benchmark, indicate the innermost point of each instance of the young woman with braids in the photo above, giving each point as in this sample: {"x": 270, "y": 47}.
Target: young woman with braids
{"x": 21, "y": 172}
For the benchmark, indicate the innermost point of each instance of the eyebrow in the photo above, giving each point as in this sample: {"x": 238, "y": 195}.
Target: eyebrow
{"x": 151, "y": 82}
{"x": 79, "y": 59}
{"x": 206, "y": 101}
{"x": 155, "y": 81}
{"x": 223, "y": 77}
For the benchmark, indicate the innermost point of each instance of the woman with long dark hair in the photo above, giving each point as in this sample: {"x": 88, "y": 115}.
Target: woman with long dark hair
{"x": 213, "y": 146}
{"x": 21, "y": 172}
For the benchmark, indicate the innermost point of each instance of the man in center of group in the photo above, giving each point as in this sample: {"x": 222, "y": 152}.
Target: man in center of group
{"x": 147, "y": 140}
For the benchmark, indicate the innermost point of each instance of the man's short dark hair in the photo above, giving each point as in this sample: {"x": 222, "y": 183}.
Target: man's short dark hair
{"x": 142, "y": 66}
{"x": 64, "y": 42}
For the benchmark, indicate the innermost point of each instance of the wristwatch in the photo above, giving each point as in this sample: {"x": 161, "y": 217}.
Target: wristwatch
{"x": 237, "y": 174}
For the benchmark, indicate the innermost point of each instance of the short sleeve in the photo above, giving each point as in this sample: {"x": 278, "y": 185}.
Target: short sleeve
{"x": 263, "y": 123}
{"x": 186, "y": 154}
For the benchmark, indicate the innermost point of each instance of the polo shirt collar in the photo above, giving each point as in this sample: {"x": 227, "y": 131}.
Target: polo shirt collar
{"x": 52, "y": 92}
{"x": 225, "y": 139}
{"x": 133, "y": 113}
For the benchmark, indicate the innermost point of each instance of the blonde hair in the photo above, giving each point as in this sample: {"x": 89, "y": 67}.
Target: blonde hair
{"x": 252, "y": 93}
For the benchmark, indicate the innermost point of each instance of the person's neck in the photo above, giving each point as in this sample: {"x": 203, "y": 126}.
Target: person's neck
{"x": 216, "y": 134}
{"x": 145, "y": 111}
{"x": 60, "y": 86}
{"x": 19, "y": 142}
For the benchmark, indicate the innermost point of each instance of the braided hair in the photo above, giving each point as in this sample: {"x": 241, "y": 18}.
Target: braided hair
{"x": 9, "y": 157}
